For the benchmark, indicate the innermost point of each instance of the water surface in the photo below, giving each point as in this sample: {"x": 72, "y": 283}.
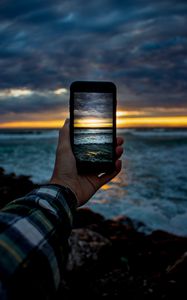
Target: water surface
{"x": 152, "y": 186}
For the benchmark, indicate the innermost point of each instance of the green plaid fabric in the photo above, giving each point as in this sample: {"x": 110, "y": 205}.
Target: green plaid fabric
{"x": 34, "y": 233}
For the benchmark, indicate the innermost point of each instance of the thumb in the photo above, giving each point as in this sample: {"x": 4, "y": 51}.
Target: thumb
{"x": 64, "y": 136}
{"x": 64, "y": 133}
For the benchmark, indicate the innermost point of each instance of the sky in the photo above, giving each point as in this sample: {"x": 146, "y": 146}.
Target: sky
{"x": 93, "y": 110}
{"x": 141, "y": 46}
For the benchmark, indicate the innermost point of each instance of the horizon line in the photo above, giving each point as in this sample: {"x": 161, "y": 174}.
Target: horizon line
{"x": 117, "y": 127}
{"x": 125, "y": 122}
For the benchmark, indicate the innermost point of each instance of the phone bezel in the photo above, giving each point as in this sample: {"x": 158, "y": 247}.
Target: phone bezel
{"x": 94, "y": 87}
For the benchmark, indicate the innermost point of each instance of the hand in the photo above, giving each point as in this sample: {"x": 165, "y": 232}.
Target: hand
{"x": 65, "y": 171}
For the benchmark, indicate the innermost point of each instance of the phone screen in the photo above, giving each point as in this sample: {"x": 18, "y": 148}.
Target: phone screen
{"x": 93, "y": 127}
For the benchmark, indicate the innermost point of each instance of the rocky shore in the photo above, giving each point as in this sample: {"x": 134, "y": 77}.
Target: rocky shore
{"x": 111, "y": 258}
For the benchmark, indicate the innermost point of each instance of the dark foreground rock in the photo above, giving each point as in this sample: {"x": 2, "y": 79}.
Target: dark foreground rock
{"x": 111, "y": 259}
{"x": 122, "y": 263}
{"x": 12, "y": 186}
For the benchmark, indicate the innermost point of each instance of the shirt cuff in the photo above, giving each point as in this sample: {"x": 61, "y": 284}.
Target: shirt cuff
{"x": 56, "y": 198}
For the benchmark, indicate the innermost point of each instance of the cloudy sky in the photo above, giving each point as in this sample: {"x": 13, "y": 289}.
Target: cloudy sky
{"x": 93, "y": 109}
{"x": 45, "y": 45}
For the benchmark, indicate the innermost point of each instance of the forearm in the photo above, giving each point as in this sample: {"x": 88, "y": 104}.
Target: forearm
{"x": 33, "y": 242}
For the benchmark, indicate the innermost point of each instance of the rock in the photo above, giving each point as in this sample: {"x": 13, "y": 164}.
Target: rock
{"x": 179, "y": 267}
{"x": 2, "y": 171}
{"x": 115, "y": 230}
{"x": 111, "y": 258}
{"x": 124, "y": 220}
{"x": 85, "y": 248}
{"x": 85, "y": 216}
{"x": 13, "y": 187}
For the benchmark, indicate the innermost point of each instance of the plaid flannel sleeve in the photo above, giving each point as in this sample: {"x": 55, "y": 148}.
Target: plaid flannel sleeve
{"x": 34, "y": 233}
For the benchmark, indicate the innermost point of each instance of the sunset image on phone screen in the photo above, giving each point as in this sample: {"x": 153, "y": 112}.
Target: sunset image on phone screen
{"x": 93, "y": 121}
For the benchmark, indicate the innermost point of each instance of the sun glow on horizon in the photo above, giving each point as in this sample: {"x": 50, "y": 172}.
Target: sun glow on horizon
{"x": 169, "y": 121}
{"x": 93, "y": 122}
{"x": 33, "y": 124}
{"x": 125, "y": 119}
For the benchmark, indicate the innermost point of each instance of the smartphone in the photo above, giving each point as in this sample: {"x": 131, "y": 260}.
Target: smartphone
{"x": 93, "y": 125}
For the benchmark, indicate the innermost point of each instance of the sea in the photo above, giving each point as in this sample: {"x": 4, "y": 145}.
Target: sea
{"x": 93, "y": 145}
{"x": 151, "y": 189}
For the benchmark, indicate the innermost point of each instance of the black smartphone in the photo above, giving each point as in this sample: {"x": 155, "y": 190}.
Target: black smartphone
{"x": 93, "y": 125}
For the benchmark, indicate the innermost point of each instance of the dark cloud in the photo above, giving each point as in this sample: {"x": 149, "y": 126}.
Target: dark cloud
{"x": 34, "y": 103}
{"x": 140, "y": 45}
{"x": 93, "y": 105}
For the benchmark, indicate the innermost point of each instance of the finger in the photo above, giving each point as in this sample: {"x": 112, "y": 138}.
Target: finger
{"x": 118, "y": 165}
{"x": 97, "y": 182}
{"x": 119, "y": 141}
{"x": 64, "y": 136}
{"x": 107, "y": 177}
{"x": 119, "y": 151}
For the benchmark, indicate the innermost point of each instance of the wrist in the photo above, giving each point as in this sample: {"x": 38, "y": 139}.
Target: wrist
{"x": 59, "y": 183}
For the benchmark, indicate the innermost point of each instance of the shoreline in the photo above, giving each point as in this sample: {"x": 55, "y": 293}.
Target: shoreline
{"x": 111, "y": 256}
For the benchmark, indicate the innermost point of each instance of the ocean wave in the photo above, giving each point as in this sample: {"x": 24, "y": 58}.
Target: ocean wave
{"x": 28, "y": 135}
{"x": 147, "y": 215}
{"x": 93, "y": 131}
{"x": 151, "y": 187}
{"x": 155, "y": 133}
{"x": 91, "y": 140}
{"x": 96, "y": 143}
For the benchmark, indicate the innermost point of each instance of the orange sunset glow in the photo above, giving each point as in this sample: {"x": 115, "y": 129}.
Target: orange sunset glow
{"x": 124, "y": 120}
{"x": 169, "y": 121}
{"x": 93, "y": 123}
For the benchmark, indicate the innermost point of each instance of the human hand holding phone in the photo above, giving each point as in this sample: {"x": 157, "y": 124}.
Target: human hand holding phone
{"x": 65, "y": 171}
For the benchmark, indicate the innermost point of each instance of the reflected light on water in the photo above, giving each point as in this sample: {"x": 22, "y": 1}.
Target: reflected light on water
{"x": 106, "y": 187}
{"x": 102, "y": 201}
